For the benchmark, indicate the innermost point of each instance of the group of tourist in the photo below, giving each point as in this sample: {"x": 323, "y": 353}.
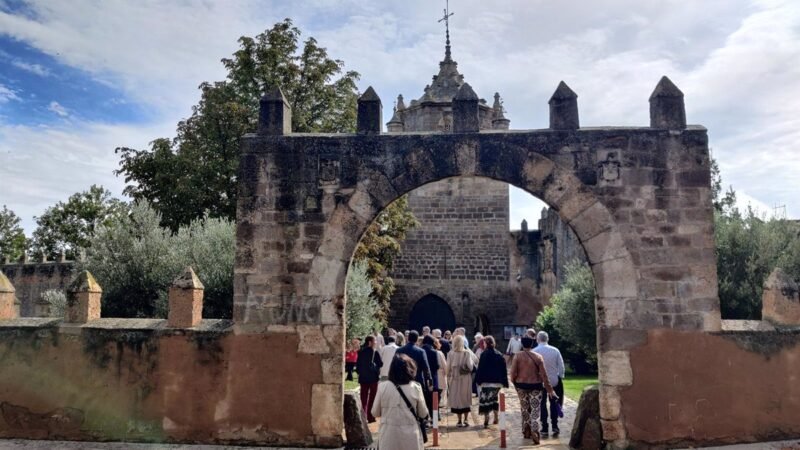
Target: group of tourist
{"x": 400, "y": 373}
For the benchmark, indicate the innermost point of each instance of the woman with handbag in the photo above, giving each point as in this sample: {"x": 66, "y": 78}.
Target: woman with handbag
{"x": 400, "y": 404}
{"x": 460, "y": 363}
{"x": 530, "y": 379}
{"x": 368, "y": 365}
{"x": 491, "y": 377}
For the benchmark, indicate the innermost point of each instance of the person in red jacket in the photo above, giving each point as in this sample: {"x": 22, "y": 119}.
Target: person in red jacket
{"x": 350, "y": 358}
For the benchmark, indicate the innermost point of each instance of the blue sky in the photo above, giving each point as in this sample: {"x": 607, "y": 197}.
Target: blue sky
{"x": 80, "y": 78}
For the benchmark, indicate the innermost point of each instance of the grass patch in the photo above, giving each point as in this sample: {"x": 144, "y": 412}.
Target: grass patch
{"x": 574, "y": 384}
{"x": 350, "y": 385}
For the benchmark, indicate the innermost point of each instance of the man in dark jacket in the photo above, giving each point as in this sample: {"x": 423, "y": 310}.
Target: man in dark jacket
{"x": 433, "y": 362}
{"x": 369, "y": 365}
{"x": 411, "y": 350}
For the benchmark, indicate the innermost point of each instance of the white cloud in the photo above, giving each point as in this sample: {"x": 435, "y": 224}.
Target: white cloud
{"x": 58, "y": 109}
{"x": 734, "y": 59}
{"x": 7, "y": 94}
{"x": 40, "y": 165}
{"x": 37, "y": 69}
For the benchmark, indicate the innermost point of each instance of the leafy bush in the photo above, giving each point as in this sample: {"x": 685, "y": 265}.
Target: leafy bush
{"x": 361, "y": 310}
{"x": 135, "y": 261}
{"x": 57, "y": 301}
{"x": 570, "y": 319}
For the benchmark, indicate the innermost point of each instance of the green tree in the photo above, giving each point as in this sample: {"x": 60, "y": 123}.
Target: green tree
{"x": 68, "y": 227}
{"x": 570, "y": 318}
{"x": 381, "y": 245}
{"x": 12, "y": 237}
{"x": 361, "y": 311}
{"x": 135, "y": 260}
{"x": 749, "y": 247}
{"x": 195, "y": 173}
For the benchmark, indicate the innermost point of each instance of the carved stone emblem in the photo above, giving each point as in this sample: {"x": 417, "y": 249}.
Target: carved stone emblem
{"x": 328, "y": 174}
{"x": 608, "y": 169}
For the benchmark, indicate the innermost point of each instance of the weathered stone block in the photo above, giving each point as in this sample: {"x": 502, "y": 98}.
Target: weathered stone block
{"x": 615, "y": 368}
{"x": 587, "y": 433}
{"x": 610, "y": 402}
{"x": 615, "y": 278}
{"x": 355, "y": 422}
{"x": 613, "y": 430}
{"x": 326, "y": 410}
{"x": 312, "y": 340}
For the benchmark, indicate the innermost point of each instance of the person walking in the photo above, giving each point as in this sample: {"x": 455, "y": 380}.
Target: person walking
{"x": 424, "y": 377}
{"x": 554, "y": 364}
{"x": 368, "y": 365}
{"x": 433, "y": 362}
{"x": 400, "y": 339}
{"x": 491, "y": 376}
{"x": 387, "y": 354}
{"x": 460, "y": 363}
{"x": 400, "y": 403}
{"x": 443, "y": 343}
{"x": 442, "y": 389}
{"x": 530, "y": 379}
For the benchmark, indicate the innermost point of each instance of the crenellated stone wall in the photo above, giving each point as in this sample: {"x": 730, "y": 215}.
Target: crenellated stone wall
{"x": 31, "y": 279}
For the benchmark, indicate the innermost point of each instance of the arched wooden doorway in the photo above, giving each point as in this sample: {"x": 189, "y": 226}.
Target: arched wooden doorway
{"x": 433, "y": 311}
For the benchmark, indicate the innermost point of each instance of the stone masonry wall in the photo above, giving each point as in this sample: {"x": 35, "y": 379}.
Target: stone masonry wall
{"x": 32, "y": 279}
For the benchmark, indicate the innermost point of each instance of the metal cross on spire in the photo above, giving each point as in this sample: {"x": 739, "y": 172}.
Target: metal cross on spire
{"x": 446, "y": 20}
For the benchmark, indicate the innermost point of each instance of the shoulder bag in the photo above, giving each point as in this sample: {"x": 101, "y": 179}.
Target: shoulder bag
{"x": 420, "y": 422}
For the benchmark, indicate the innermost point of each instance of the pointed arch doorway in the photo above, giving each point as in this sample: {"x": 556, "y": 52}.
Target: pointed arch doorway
{"x": 433, "y": 311}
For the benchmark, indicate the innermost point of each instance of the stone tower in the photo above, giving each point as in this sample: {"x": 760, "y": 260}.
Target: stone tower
{"x": 455, "y": 267}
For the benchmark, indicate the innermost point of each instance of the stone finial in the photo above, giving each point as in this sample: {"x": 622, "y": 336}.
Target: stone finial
{"x": 564, "y": 109}
{"x": 185, "y": 301}
{"x": 781, "y": 299}
{"x": 275, "y": 115}
{"x": 6, "y": 260}
{"x": 400, "y": 104}
{"x": 499, "y": 122}
{"x": 524, "y": 226}
{"x": 8, "y": 308}
{"x": 83, "y": 299}
{"x": 465, "y": 110}
{"x": 62, "y": 258}
{"x": 370, "y": 113}
{"x": 25, "y": 258}
{"x": 44, "y": 257}
{"x": 395, "y": 125}
{"x": 666, "y": 106}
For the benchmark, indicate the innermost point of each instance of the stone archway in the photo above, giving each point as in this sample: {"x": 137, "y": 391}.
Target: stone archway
{"x": 638, "y": 200}
{"x": 432, "y": 311}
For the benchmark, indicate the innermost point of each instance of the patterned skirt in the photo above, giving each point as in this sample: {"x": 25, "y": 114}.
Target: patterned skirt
{"x": 487, "y": 400}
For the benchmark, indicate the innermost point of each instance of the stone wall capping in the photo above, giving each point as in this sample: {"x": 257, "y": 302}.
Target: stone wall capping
{"x": 275, "y": 114}
{"x": 667, "y": 109}
{"x": 465, "y": 110}
{"x": 185, "y": 300}
{"x": 83, "y": 299}
{"x": 370, "y": 113}
{"x": 564, "y": 108}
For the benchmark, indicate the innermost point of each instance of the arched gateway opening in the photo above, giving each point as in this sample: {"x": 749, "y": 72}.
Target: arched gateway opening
{"x": 433, "y": 311}
{"x": 638, "y": 200}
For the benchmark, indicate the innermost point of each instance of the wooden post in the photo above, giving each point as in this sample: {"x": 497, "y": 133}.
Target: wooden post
{"x": 502, "y": 420}
{"x": 435, "y": 419}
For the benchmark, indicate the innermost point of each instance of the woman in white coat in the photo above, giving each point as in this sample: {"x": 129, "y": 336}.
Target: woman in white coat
{"x": 399, "y": 428}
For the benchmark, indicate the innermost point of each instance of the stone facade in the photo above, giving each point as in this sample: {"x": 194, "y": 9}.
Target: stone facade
{"x": 462, "y": 252}
{"x": 781, "y": 300}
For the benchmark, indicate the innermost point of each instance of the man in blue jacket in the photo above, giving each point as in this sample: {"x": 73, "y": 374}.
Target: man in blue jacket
{"x": 411, "y": 350}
